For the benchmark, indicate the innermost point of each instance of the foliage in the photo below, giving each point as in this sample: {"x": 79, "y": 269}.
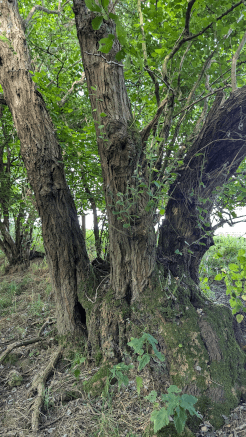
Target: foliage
{"x": 77, "y": 361}
{"x": 144, "y": 358}
{"x": 217, "y": 258}
{"x": 235, "y": 279}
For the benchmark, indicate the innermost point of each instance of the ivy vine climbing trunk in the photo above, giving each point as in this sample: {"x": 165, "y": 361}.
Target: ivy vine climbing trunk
{"x": 63, "y": 240}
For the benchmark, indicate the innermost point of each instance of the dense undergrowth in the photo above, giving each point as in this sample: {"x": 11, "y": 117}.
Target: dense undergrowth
{"x": 26, "y": 307}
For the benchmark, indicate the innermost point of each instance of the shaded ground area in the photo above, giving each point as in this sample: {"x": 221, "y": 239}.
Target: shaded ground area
{"x": 27, "y": 313}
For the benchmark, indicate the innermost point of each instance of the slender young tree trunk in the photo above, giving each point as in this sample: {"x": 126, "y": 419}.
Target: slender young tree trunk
{"x": 63, "y": 240}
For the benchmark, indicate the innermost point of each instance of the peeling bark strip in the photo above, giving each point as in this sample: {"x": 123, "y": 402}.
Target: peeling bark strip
{"x": 132, "y": 248}
{"x": 63, "y": 240}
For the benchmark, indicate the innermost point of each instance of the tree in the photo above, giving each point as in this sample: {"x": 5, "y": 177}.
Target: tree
{"x": 17, "y": 206}
{"x": 152, "y": 159}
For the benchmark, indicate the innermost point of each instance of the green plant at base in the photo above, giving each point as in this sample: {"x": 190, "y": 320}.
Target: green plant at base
{"x": 175, "y": 404}
{"x": 144, "y": 358}
{"x": 235, "y": 278}
{"x": 77, "y": 361}
{"x": 119, "y": 372}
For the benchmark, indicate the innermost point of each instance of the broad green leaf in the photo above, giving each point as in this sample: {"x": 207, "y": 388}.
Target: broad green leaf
{"x": 151, "y": 396}
{"x": 120, "y": 55}
{"x": 126, "y": 225}
{"x": 105, "y": 4}
{"x": 113, "y": 16}
{"x": 239, "y": 318}
{"x": 218, "y": 277}
{"x": 76, "y": 373}
{"x": 233, "y": 267}
{"x": 160, "y": 419}
{"x": 139, "y": 382}
{"x": 92, "y": 6}
{"x": 144, "y": 360}
{"x": 180, "y": 418}
{"x": 105, "y": 44}
{"x": 96, "y": 22}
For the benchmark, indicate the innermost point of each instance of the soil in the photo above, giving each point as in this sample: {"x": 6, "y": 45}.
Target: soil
{"x": 66, "y": 410}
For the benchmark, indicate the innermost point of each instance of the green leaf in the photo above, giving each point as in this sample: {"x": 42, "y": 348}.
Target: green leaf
{"x": 105, "y": 44}
{"x": 239, "y": 318}
{"x": 139, "y": 382}
{"x": 233, "y": 267}
{"x": 143, "y": 361}
{"x": 120, "y": 55}
{"x": 162, "y": 211}
{"x": 218, "y": 277}
{"x": 92, "y": 6}
{"x": 103, "y": 114}
{"x": 96, "y": 22}
{"x": 160, "y": 419}
{"x": 76, "y": 373}
{"x": 180, "y": 418}
{"x": 126, "y": 225}
{"x": 151, "y": 396}
{"x": 105, "y": 4}
{"x": 113, "y": 16}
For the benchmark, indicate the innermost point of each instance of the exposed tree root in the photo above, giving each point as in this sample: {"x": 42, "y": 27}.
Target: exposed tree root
{"x": 18, "y": 344}
{"x": 47, "y": 322}
{"x": 38, "y": 385}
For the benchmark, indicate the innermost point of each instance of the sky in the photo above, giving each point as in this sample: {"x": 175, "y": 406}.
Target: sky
{"x": 237, "y": 230}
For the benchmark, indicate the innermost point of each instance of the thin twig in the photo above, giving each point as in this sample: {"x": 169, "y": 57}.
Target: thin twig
{"x": 108, "y": 62}
{"x": 234, "y": 64}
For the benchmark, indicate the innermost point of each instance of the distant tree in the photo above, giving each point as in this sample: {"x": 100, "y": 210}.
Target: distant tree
{"x": 17, "y": 206}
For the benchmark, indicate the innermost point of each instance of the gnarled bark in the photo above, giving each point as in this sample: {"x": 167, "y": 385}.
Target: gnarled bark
{"x": 131, "y": 231}
{"x": 63, "y": 240}
{"x": 215, "y": 155}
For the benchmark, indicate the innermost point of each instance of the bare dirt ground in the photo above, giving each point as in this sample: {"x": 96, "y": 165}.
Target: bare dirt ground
{"x": 39, "y": 393}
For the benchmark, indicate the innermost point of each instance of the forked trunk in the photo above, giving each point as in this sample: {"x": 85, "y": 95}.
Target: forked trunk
{"x": 131, "y": 232}
{"x": 63, "y": 240}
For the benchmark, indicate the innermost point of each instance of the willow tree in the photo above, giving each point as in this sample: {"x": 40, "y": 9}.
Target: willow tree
{"x": 182, "y": 50}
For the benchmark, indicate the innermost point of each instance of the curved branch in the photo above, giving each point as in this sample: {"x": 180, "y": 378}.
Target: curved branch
{"x": 146, "y": 131}
{"x": 77, "y": 82}
{"x": 180, "y": 41}
{"x": 187, "y": 17}
{"x": 234, "y": 64}
{"x": 42, "y": 8}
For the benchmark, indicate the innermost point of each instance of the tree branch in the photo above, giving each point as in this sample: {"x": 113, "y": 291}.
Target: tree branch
{"x": 80, "y": 81}
{"x": 146, "y": 131}
{"x": 187, "y": 17}
{"x": 180, "y": 41}
{"x": 234, "y": 64}
{"x": 42, "y": 8}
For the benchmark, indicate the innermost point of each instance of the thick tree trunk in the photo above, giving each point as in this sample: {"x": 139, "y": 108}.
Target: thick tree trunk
{"x": 196, "y": 337}
{"x": 215, "y": 155}
{"x": 63, "y": 240}
{"x": 131, "y": 231}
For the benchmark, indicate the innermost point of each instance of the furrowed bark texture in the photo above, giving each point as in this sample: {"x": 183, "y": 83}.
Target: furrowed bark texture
{"x": 63, "y": 241}
{"x": 132, "y": 248}
{"x": 212, "y": 159}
